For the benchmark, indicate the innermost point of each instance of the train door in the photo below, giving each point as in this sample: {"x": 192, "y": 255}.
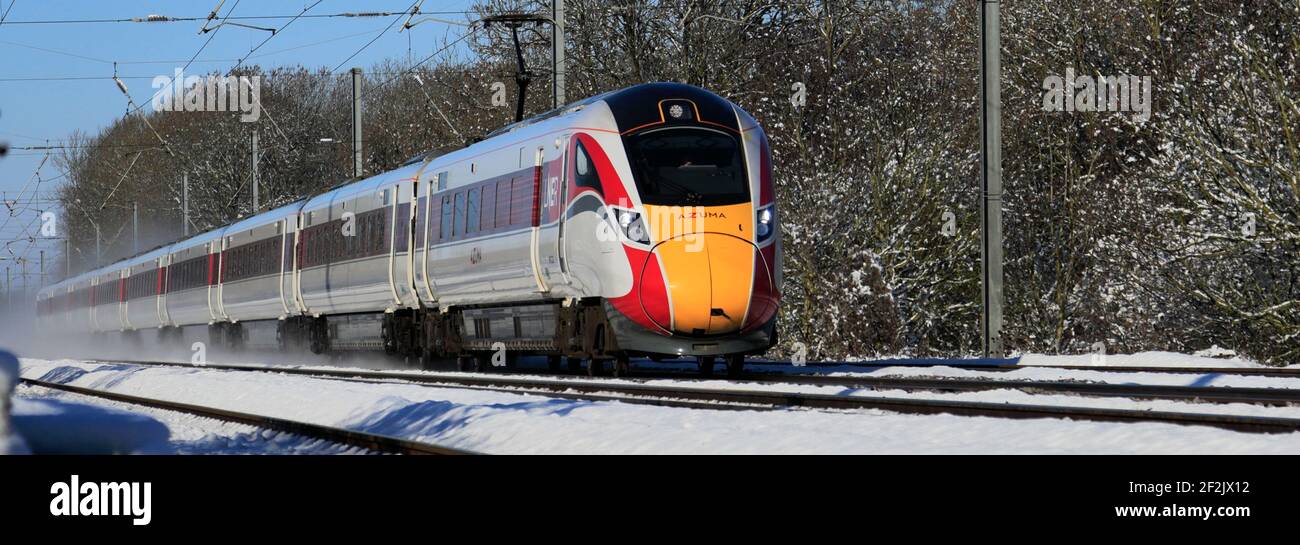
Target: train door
{"x": 398, "y": 198}
{"x": 299, "y": 254}
{"x": 548, "y": 258}
{"x": 418, "y": 197}
{"x": 123, "y": 307}
{"x": 164, "y": 262}
{"x": 285, "y": 285}
{"x": 215, "y": 265}
{"x": 94, "y": 318}
{"x": 428, "y": 216}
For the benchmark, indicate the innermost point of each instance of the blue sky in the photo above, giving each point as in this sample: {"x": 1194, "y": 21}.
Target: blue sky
{"x": 33, "y": 111}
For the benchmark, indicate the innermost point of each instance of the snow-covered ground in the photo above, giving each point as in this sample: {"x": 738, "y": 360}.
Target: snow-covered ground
{"x": 502, "y": 422}
{"x": 189, "y": 434}
{"x": 1213, "y": 357}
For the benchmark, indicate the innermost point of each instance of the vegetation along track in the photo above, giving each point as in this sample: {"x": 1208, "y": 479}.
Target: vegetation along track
{"x": 369, "y": 441}
{"x": 732, "y": 398}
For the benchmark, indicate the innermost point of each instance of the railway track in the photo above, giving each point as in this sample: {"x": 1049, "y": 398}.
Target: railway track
{"x": 1209, "y": 394}
{"x": 734, "y": 398}
{"x": 368, "y": 441}
{"x": 1282, "y": 372}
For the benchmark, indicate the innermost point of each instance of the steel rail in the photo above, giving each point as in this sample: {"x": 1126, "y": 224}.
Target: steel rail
{"x": 1283, "y": 372}
{"x": 736, "y": 398}
{"x": 1209, "y": 394}
{"x": 370, "y": 441}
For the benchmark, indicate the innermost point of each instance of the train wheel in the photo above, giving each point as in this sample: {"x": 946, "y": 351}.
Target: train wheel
{"x": 574, "y": 365}
{"x": 735, "y": 365}
{"x": 706, "y": 365}
{"x": 595, "y": 367}
{"x": 622, "y": 366}
{"x": 464, "y": 363}
{"x": 553, "y": 364}
{"x": 318, "y": 334}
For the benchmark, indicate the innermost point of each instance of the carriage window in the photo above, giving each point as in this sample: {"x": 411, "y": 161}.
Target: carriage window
{"x": 584, "y": 170}
{"x": 487, "y": 217}
{"x": 442, "y": 181}
{"x": 503, "y": 203}
{"x": 445, "y": 233}
{"x": 472, "y": 212}
{"x": 688, "y": 166}
{"x": 458, "y": 225}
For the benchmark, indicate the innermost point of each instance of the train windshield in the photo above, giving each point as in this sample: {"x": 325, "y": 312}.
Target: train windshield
{"x": 688, "y": 166}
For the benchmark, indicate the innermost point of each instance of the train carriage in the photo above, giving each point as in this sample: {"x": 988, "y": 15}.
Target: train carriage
{"x": 191, "y": 278}
{"x": 637, "y": 222}
{"x": 254, "y": 271}
{"x": 141, "y": 292}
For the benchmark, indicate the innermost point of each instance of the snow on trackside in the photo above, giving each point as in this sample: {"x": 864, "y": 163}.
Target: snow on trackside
{"x": 10, "y": 441}
{"x": 1087, "y": 375}
{"x": 190, "y": 434}
{"x": 56, "y": 426}
{"x": 501, "y": 422}
{"x": 1213, "y": 357}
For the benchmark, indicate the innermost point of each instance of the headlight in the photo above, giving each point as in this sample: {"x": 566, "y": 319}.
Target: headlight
{"x": 631, "y": 225}
{"x": 766, "y": 223}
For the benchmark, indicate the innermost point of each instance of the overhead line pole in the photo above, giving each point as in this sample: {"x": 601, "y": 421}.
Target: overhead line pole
{"x": 356, "y": 122}
{"x": 185, "y": 204}
{"x": 557, "y": 52}
{"x": 254, "y": 173}
{"x": 991, "y": 177}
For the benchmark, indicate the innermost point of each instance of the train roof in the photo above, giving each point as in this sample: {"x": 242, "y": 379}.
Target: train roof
{"x": 258, "y": 220}
{"x": 141, "y": 258}
{"x": 407, "y": 170}
{"x": 628, "y": 105}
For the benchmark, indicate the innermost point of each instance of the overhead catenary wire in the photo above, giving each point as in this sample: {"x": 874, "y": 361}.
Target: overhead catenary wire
{"x": 139, "y": 148}
{"x": 273, "y": 34}
{"x": 169, "y": 19}
{"x": 376, "y": 38}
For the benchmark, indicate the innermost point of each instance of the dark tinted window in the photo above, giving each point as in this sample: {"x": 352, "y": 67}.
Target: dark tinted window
{"x": 472, "y": 213}
{"x": 503, "y": 203}
{"x": 584, "y": 170}
{"x": 458, "y": 226}
{"x": 688, "y": 166}
{"x": 445, "y": 233}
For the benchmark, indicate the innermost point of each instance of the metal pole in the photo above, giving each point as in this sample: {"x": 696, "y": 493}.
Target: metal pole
{"x": 135, "y": 228}
{"x": 991, "y": 175}
{"x": 67, "y": 258}
{"x": 185, "y": 204}
{"x": 255, "y": 207}
{"x": 557, "y": 51}
{"x": 42, "y": 268}
{"x": 99, "y": 255}
{"x": 356, "y": 122}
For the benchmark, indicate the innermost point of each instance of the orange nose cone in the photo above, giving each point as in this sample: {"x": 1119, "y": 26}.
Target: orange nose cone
{"x": 709, "y": 278}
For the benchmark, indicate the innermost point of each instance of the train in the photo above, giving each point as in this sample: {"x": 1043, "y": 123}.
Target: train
{"x": 640, "y": 222}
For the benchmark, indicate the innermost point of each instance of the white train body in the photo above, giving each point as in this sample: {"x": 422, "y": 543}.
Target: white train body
{"x": 549, "y": 236}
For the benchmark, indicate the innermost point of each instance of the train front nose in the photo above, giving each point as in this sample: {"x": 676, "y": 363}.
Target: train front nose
{"x": 709, "y": 279}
